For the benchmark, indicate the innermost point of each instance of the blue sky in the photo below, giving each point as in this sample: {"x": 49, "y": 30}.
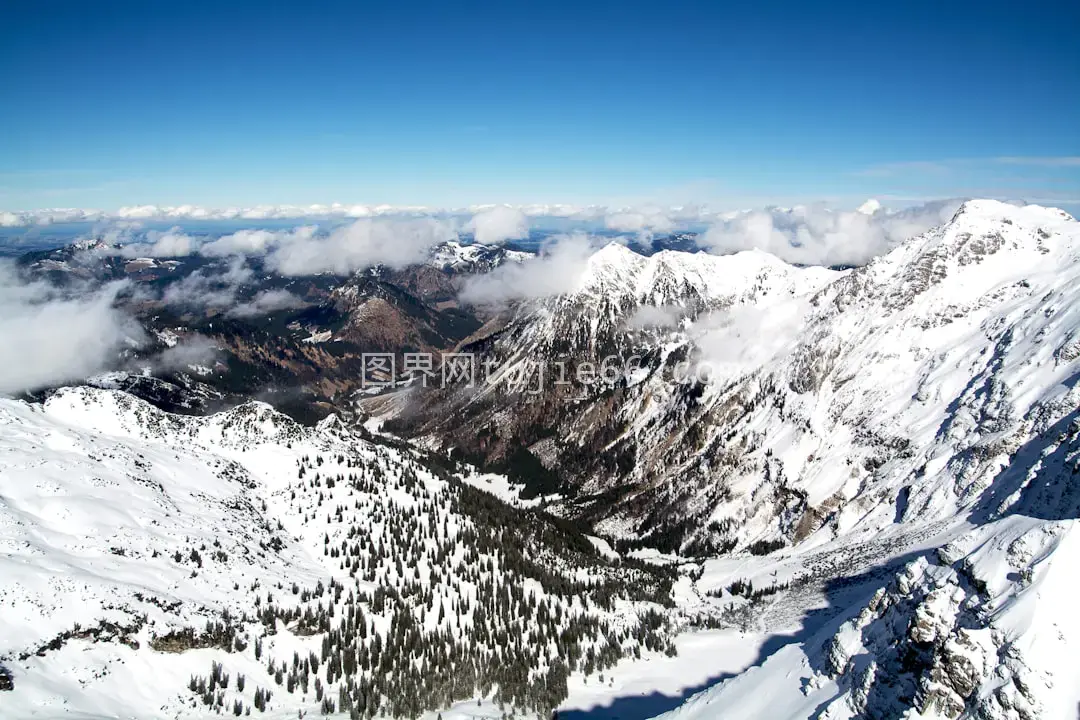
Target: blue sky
{"x": 110, "y": 103}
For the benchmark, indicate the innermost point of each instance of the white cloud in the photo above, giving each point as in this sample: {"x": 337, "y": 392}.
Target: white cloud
{"x": 646, "y": 217}
{"x": 50, "y": 339}
{"x": 1042, "y": 161}
{"x": 382, "y": 241}
{"x": 10, "y": 219}
{"x": 304, "y": 250}
{"x": 499, "y": 224}
{"x": 140, "y": 212}
{"x": 498, "y": 215}
{"x": 869, "y": 207}
{"x": 207, "y": 288}
{"x": 194, "y": 350}
{"x": 173, "y": 243}
{"x": 818, "y": 235}
{"x": 220, "y": 287}
{"x": 25, "y": 218}
{"x": 643, "y": 221}
{"x": 649, "y": 317}
{"x": 589, "y": 212}
{"x": 556, "y": 270}
{"x": 267, "y": 302}
{"x": 254, "y": 242}
{"x": 49, "y": 216}
{"x": 730, "y": 343}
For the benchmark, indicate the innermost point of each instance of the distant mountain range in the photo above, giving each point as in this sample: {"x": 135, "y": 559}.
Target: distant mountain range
{"x": 826, "y": 492}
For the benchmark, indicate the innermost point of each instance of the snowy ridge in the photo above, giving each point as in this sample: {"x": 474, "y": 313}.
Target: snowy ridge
{"x": 982, "y": 627}
{"x": 622, "y": 290}
{"x": 453, "y": 256}
{"x": 673, "y": 277}
{"x": 91, "y": 528}
{"x": 940, "y": 356}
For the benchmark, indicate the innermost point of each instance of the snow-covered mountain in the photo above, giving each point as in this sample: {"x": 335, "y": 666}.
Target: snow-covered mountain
{"x": 819, "y": 385}
{"x": 157, "y": 565}
{"x": 944, "y": 418}
{"x": 884, "y": 458}
{"x": 870, "y": 475}
{"x": 297, "y": 341}
{"x": 465, "y": 258}
{"x": 621, "y": 291}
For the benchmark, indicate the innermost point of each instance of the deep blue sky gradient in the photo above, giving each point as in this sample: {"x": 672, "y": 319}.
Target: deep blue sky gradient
{"x": 119, "y": 103}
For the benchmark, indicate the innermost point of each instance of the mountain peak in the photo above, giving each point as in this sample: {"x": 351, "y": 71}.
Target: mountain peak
{"x": 869, "y": 207}
{"x": 613, "y": 263}
{"x": 1000, "y": 210}
{"x": 615, "y": 252}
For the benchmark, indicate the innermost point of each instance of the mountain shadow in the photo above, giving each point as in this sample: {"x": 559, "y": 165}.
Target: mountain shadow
{"x": 1043, "y": 479}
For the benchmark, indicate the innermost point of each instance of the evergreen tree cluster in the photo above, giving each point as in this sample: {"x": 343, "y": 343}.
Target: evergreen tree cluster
{"x": 436, "y": 593}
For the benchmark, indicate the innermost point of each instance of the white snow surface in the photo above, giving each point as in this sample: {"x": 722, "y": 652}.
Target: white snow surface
{"x": 120, "y": 523}
{"x": 958, "y": 351}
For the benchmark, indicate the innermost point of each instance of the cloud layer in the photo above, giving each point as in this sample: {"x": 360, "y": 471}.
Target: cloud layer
{"x": 252, "y": 242}
{"x": 818, "y": 235}
{"x": 194, "y": 350}
{"x": 557, "y": 269}
{"x": 499, "y": 224}
{"x": 395, "y": 243}
{"x": 174, "y": 243}
{"x": 50, "y": 338}
{"x": 51, "y": 216}
{"x": 645, "y": 221}
{"x": 396, "y": 236}
{"x": 208, "y": 287}
{"x": 266, "y": 302}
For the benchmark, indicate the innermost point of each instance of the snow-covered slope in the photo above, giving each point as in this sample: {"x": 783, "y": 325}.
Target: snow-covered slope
{"x": 971, "y": 363}
{"x": 150, "y": 561}
{"x": 624, "y": 302}
{"x": 887, "y": 454}
{"x": 981, "y": 627}
{"x": 456, "y": 257}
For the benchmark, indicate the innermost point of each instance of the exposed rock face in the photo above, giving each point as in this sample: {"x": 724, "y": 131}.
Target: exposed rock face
{"x": 303, "y": 354}
{"x": 925, "y": 370}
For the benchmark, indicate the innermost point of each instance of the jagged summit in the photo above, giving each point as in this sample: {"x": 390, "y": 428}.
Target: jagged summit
{"x": 814, "y": 358}
{"x": 674, "y": 275}
{"x": 611, "y": 269}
